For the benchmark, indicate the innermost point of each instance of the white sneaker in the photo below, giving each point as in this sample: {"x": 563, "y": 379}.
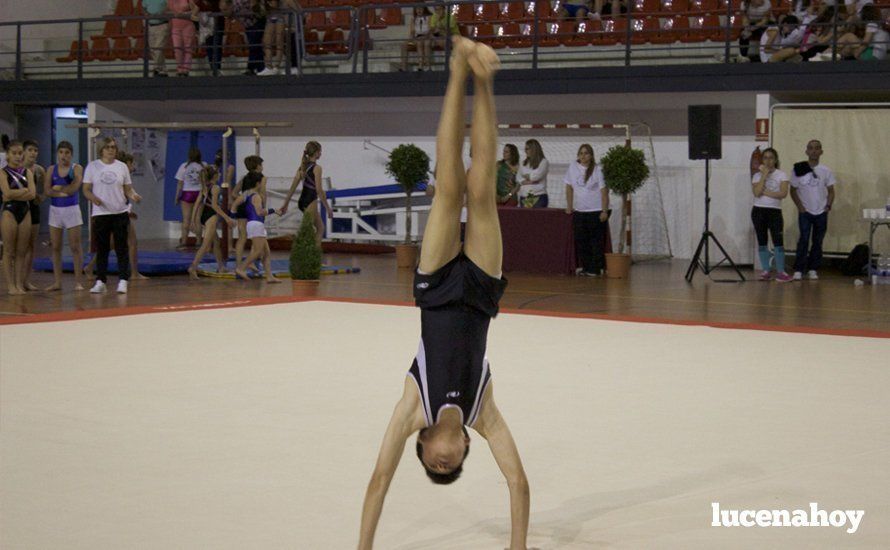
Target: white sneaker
{"x": 122, "y": 286}
{"x": 268, "y": 71}
{"x": 798, "y": 276}
{"x": 98, "y": 288}
{"x": 812, "y": 275}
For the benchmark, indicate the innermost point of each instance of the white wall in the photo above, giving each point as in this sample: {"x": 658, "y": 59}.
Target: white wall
{"x": 350, "y": 163}
{"x": 343, "y": 125}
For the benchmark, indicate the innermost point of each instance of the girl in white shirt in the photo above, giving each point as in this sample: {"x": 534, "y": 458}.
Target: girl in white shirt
{"x": 532, "y": 177}
{"x": 188, "y": 187}
{"x": 420, "y": 38}
{"x": 770, "y": 185}
{"x": 587, "y": 199}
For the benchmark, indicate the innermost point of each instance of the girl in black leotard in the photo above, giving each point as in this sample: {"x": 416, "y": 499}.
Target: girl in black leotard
{"x": 17, "y": 189}
{"x": 309, "y": 175}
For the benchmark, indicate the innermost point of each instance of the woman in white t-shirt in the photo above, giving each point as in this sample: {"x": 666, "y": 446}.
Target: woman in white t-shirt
{"x": 532, "y": 177}
{"x": 770, "y": 185}
{"x": 872, "y": 45}
{"x": 587, "y": 200}
{"x": 107, "y": 184}
{"x": 188, "y": 187}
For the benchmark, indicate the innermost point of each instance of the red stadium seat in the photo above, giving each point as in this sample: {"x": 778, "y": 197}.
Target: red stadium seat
{"x": 313, "y": 44}
{"x": 100, "y": 49}
{"x": 488, "y": 11}
{"x": 391, "y": 16}
{"x": 340, "y": 18}
{"x": 584, "y": 34}
{"x": 316, "y": 20}
{"x": 124, "y": 7}
{"x": 541, "y": 7}
{"x": 72, "y": 53}
{"x": 121, "y": 49}
{"x": 113, "y": 28}
{"x": 464, "y": 13}
{"x": 334, "y": 41}
{"x": 513, "y": 11}
{"x": 675, "y": 6}
{"x": 510, "y": 35}
{"x": 608, "y": 36}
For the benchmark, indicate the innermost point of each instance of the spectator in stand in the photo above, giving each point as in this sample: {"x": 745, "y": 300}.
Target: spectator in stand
{"x": 250, "y": 14}
{"x": 869, "y": 42}
{"x": 756, "y": 17}
{"x": 215, "y": 25}
{"x": 783, "y": 42}
{"x": 533, "y": 177}
{"x": 576, "y": 9}
{"x": 273, "y": 39}
{"x": 854, "y": 9}
{"x": 158, "y": 34}
{"x": 587, "y": 201}
{"x": 818, "y": 35}
{"x": 601, "y": 8}
{"x": 442, "y": 25}
{"x": 508, "y": 166}
{"x": 419, "y": 38}
{"x": 183, "y": 33}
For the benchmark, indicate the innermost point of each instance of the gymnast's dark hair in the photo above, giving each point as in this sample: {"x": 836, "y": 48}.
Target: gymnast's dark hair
{"x": 250, "y": 181}
{"x": 436, "y": 477}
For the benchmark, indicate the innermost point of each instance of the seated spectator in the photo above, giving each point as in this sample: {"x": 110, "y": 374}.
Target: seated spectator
{"x": 783, "y": 43}
{"x": 818, "y": 35}
{"x": 870, "y": 40}
{"x": 442, "y": 25}
{"x": 575, "y": 9}
{"x": 756, "y": 16}
{"x": 777, "y": 42}
{"x": 610, "y": 8}
{"x": 854, "y": 9}
{"x": 808, "y": 10}
{"x": 419, "y": 38}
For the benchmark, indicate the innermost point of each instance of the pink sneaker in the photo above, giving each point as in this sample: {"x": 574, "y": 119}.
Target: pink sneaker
{"x": 783, "y": 277}
{"x": 764, "y": 276}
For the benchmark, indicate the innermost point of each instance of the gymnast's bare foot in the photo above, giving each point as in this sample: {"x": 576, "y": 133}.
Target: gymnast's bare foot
{"x": 138, "y": 276}
{"x": 31, "y": 287}
{"x": 272, "y": 280}
{"x": 193, "y": 273}
{"x": 484, "y": 61}
{"x": 16, "y": 291}
{"x": 79, "y": 286}
{"x": 53, "y": 287}
{"x": 461, "y": 51}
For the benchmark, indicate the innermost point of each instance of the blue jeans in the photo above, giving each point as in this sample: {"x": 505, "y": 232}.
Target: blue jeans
{"x": 818, "y": 225}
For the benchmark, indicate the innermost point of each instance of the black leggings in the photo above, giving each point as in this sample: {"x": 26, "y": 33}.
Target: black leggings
{"x": 106, "y": 226}
{"x": 589, "y": 232}
{"x": 768, "y": 220}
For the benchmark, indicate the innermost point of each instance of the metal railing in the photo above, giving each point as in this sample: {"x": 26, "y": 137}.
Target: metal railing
{"x": 353, "y": 38}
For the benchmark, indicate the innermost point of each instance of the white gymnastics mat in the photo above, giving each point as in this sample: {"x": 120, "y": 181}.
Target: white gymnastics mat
{"x": 258, "y": 427}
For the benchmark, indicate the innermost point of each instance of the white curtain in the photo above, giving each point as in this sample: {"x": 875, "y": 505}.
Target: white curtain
{"x": 856, "y": 142}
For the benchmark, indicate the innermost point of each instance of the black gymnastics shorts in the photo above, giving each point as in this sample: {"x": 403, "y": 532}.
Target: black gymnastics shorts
{"x": 35, "y": 214}
{"x": 307, "y": 197}
{"x": 18, "y": 209}
{"x": 460, "y": 282}
{"x": 206, "y": 214}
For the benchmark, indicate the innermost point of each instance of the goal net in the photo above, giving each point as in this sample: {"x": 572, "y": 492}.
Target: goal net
{"x": 560, "y": 143}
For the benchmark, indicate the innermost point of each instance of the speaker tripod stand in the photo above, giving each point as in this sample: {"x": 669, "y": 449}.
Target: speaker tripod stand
{"x": 706, "y": 236}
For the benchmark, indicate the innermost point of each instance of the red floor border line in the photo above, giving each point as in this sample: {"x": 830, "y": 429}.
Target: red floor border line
{"x": 245, "y": 302}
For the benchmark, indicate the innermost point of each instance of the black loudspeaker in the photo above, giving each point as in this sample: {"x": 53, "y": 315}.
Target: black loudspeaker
{"x": 705, "y": 133}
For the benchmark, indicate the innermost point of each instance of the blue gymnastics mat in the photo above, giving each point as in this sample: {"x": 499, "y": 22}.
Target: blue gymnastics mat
{"x": 280, "y": 269}
{"x": 150, "y": 262}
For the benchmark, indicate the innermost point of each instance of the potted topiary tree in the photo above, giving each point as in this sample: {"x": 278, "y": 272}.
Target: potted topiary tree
{"x": 305, "y": 259}
{"x": 409, "y": 165}
{"x": 625, "y": 171}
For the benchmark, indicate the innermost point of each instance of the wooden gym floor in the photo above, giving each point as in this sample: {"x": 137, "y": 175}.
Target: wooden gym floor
{"x": 655, "y": 291}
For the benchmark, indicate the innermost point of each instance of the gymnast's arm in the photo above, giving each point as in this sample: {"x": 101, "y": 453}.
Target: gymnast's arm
{"x": 401, "y": 426}
{"x": 492, "y": 427}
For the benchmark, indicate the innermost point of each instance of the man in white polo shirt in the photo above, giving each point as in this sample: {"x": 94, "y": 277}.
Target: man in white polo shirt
{"x": 812, "y": 190}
